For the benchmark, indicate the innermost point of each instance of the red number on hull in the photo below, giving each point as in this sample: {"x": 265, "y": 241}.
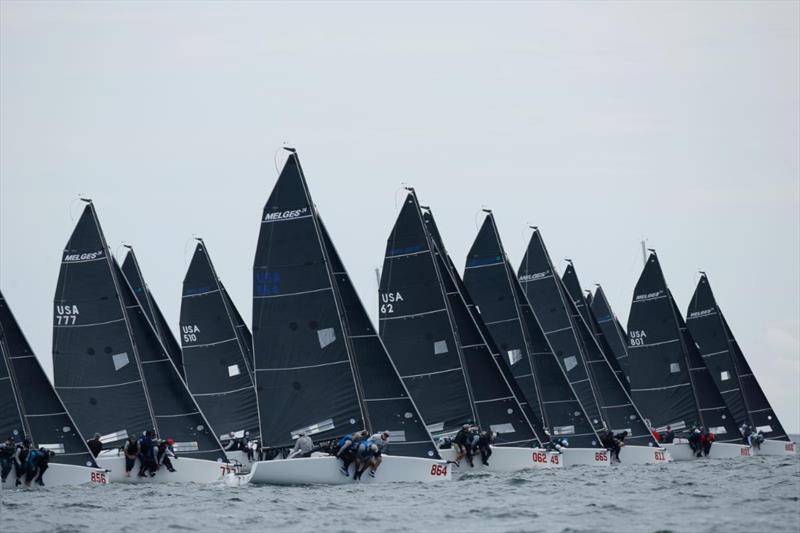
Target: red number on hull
{"x": 601, "y": 457}
{"x": 439, "y": 470}
{"x": 554, "y": 459}
{"x": 539, "y": 457}
{"x": 98, "y": 477}
{"x": 661, "y": 456}
{"x": 744, "y": 451}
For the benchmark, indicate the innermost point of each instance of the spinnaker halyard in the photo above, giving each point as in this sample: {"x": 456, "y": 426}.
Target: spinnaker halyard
{"x": 668, "y": 378}
{"x": 111, "y": 369}
{"x": 217, "y": 359}
{"x": 732, "y": 374}
{"x": 320, "y": 370}
{"x": 30, "y": 408}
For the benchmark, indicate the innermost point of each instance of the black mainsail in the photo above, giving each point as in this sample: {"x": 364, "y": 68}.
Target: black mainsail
{"x": 432, "y": 337}
{"x": 110, "y": 367}
{"x": 133, "y": 274}
{"x": 576, "y": 343}
{"x": 575, "y": 291}
{"x": 29, "y": 406}
{"x": 217, "y": 362}
{"x": 504, "y": 307}
{"x": 320, "y": 368}
{"x": 611, "y": 329}
{"x": 668, "y": 378}
{"x": 728, "y": 367}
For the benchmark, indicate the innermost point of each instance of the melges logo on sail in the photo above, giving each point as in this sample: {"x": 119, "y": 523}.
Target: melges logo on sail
{"x": 533, "y": 277}
{"x": 83, "y": 257}
{"x": 648, "y": 296}
{"x": 285, "y": 215}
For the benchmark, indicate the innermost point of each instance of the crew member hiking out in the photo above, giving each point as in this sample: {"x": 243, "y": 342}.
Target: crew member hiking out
{"x": 131, "y": 451}
{"x": 6, "y": 458}
{"x": 147, "y": 454}
{"x": 20, "y": 457}
{"x": 669, "y": 436}
{"x": 165, "y": 452}
{"x": 459, "y": 443}
{"x": 473, "y": 437}
{"x": 707, "y": 439}
{"x": 346, "y": 450}
{"x": 369, "y": 454}
{"x": 485, "y": 445}
{"x": 611, "y": 444}
{"x": 36, "y": 465}
{"x": 303, "y": 447}
{"x": 695, "y": 442}
{"x": 94, "y": 444}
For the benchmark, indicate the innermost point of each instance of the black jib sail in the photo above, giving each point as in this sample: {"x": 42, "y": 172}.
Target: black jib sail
{"x": 611, "y": 329}
{"x": 132, "y": 273}
{"x": 463, "y": 298}
{"x": 437, "y": 347}
{"x": 29, "y": 406}
{"x": 217, "y": 362}
{"x": 617, "y": 408}
{"x": 504, "y": 308}
{"x": 320, "y": 369}
{"x": 728, "y": 367}
{"x": 575, "y": 291}
{"x": 111, "y": 370}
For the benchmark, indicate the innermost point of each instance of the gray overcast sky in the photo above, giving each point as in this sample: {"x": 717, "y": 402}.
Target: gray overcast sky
{"x": 600, "y": 123}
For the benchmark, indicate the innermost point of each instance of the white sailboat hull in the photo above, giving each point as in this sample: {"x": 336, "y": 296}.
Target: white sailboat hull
{"x": 240, "y": 457}
{"x": 719, "y": 450}
{"x": 586, "y": 457}
{"x": 325, "y": 471}
{"x": 644, "y": 455}
{"x": 506, "y": 459}
{"x": 187, "y": 470}
{"x": 776, "y": 447}
{"x": 59, "y": 475}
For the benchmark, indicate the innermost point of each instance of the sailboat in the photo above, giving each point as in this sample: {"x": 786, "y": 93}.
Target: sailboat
{"x": 442, "y": 352}
{"x": 112, "y": 371}
{"x": 30, "y": 407}
{"x": 217, "y": 356}
{"x": 320, "y": 367}
{"x": 505, "y": 310}
{"x": 576, "y": 292}
{"x": 738, "y": 385}
{"x": 133, "y": 274}
{"x": 668, "y": 377}
{"x": 610, "y": 328}
{"x": 598, "y": 387}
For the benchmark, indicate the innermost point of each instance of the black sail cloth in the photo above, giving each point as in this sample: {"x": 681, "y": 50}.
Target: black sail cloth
{"x": 320, "y": 368}
{"x": 663, "y": 377}
{"x": 731, "y": 373}
{"x": 503, "y": 306}
{"x": 610, "y": 328}
{"x": 459, "y": 297}
{"x": 110, "y": 368}
{"x": 432, "y": 338}
{"x": 575, "y": 291}
{"x": 618, "y": 410}
{"x": 29, "y": 406}
{"x": 133, "y": 274}
{"x": 217, "y": 361}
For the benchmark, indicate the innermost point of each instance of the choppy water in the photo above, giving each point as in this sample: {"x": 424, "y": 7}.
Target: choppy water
{"x": 760, "y": 494}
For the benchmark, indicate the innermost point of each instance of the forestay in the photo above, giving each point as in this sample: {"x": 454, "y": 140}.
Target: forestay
{"x": 514, "y": 327}
{"x": 217, "y": 361}
{"x": 728, "y": 367}
{"x": 29, "y": 406}
{"x": 133, "y": 274}
{"x": 110, "y": 367}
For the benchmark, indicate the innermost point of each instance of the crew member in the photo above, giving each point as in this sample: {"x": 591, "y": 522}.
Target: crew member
{"x": 485, "y": 445}
{"x": 36, "y": 465}
{"x": 303, "y": 447}
{"x": 459, "y": 443}
{"x": 95, "y": 446}
{"x": 165, "y": 452}
{"x": 6, "y": 458}
{"x": 20, "y": 457}
{"x": 669, "y": 436}
{"x": 473, "y": 437}
{"x": 346, "y": 450}
{"x": 131, "y": 451}
{"x": 147, "y": 454}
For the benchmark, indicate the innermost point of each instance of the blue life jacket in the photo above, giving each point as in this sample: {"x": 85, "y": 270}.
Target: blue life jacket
{"x": 344, "y": 440}
{"x": 33, "y": 457}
